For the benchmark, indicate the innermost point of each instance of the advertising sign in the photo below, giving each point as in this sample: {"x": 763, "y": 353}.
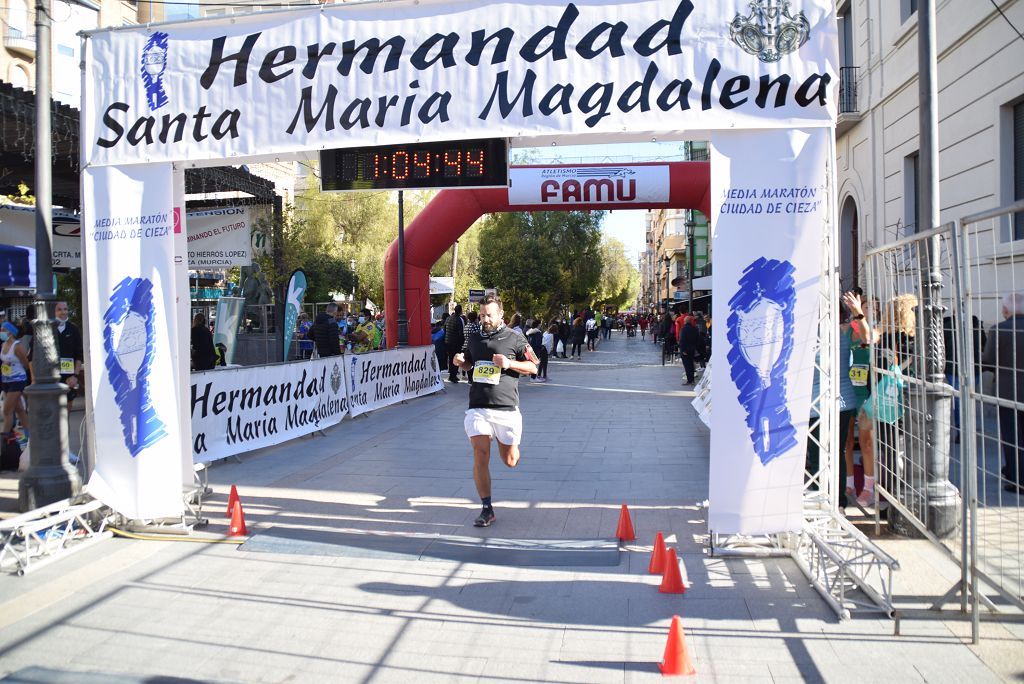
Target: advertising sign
{"x": 588, "y": 184}
{"x": 292, "y": 306}
{"x": 386, "y": 377}
{"x": 219, "y": 238}
{"x": 130, "y": 301}
{"x": 235, "y": 410}
{"x": 18, "y": 228}
{"x": 769, "y": 213}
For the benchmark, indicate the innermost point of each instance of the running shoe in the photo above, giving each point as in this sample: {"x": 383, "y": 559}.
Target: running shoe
{"x": 866, "y": 498}
{"x": 485, "y": 518}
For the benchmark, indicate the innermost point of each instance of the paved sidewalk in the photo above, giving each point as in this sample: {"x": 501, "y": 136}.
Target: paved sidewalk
{"x": 615, "y": 428}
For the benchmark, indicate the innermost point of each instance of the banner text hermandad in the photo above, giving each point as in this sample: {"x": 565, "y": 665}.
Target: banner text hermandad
{"x": 375, "y": 74}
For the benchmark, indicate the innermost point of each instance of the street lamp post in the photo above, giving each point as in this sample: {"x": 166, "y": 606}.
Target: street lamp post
{"x": 690, "y": 226}
{"x": 668, "y": 279}
{"x": 403, "y": 322}
{"x": 50, "y": 476}
{"x": 352, "y": 270}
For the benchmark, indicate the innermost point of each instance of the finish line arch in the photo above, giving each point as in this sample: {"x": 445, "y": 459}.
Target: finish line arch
{"x": 452, "y": 212}
{"x": 757, "y": 78}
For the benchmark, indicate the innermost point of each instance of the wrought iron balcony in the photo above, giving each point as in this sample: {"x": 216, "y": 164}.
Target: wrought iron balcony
{"x": 849, "y": 107}
{"x": 18, "y": 41}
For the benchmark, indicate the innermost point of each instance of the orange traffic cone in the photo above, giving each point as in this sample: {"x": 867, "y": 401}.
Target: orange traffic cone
{"x": 232, "y": 500}
{"x": 625, "y": 529}
{"x": 672, "y": 581}
{"x": 237, "y": 528}
{"x": 657, "y": 564}
{"x": 676, "y": 660}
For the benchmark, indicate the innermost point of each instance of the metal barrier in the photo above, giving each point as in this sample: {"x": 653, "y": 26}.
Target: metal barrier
{"x": 948, "y": 394}
{"x": 992, "y": 403}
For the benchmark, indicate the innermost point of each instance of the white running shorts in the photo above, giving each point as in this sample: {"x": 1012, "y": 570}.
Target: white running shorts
{"x": 504, "y": 426}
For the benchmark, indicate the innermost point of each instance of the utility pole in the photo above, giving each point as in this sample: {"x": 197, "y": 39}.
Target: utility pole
{"x": 50, "y": 476}
{"x": 455, "y": 256}
{"x": 403, "y": 321}
{"x": 691, "y": 225}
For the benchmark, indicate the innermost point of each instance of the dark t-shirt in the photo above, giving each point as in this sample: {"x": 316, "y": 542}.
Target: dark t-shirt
{"x": 505, "y": 395}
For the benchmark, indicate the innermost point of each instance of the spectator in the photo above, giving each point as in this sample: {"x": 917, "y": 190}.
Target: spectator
{"x": 437, "y": 338}
{"x": 1004, "y": 356}
{"x": 591, "y": 326}
{"x": 15, "y": 376}
{"x": 324, "y": 333}
{"x": 688, "y": 342}
{"x": 305, "y": 341}
{"x": 579, "y": 331}
{"x": 535, "y": 336}
{"x": 69, "y": 346}
{"x": 516, "y": 323}
{"x": 204, "y": 356}
{"x": 454, "y": 339}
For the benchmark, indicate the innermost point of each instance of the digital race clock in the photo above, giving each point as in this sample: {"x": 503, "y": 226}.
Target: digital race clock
{"x": 459, "y": 164}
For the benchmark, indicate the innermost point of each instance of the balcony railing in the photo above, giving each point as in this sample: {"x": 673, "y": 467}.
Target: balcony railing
{"x": 17, "y": 40}
{"x": 700, "y": 154}
{"x": 848, "y": 90}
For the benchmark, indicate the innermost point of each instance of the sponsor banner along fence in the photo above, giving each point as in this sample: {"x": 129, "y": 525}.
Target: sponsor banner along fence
{"x": 235, "y": 410}
{"x": 587, "y": 184}
{"x": 769, "y": 213}
{"x": 387, "y": 377}
{"x": 432, "y": 70}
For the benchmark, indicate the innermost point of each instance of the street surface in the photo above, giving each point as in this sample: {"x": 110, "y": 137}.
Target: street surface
{"x": 615, "y": 428}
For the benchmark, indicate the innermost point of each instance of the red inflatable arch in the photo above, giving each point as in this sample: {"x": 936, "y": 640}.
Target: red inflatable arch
{"x": 452, "y": 212}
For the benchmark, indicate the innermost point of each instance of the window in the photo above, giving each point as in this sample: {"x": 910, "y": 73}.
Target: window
{"x": 845, "y": 37}
{"x": 1018, "y": 168}
{"x": 65, "y": 51}
{"x": 908, "y": 8}
{"x": 911, "y": 197}
{"x": 181, "y": 12}
{"x": 17, "y": 19}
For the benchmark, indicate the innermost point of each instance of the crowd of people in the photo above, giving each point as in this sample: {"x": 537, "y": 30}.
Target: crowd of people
{"x": 334, "y": 332}
{"x": 16, "y": 375}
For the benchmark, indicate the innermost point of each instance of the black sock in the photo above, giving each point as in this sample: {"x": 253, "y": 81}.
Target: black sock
{"x": 486, "y": 500}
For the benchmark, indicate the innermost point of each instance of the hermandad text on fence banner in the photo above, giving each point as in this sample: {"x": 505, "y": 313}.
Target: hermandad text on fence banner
{"x": 396, "y": 72}
{"x": 235, "y": 410}
{"x": 382, "y": 378}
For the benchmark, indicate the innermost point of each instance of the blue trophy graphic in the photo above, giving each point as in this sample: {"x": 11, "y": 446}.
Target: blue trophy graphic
{"x": 760, "y": 334}
{"x": 128, "y": 340}
{"x": 154, "y": 62}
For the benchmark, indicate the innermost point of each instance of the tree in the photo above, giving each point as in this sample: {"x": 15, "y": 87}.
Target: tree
{"x": 619, "y": 281}
{"x": 542, "y": 261}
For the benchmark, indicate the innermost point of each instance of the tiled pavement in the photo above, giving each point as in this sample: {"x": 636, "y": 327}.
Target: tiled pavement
{"x": 615, "y": 428}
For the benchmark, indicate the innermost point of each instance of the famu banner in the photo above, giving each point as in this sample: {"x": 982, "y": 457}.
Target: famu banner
{"x": 769, "y": 213}
{"x": 128, "y": 257}
{"x": 567, "y": 185}
{"x": 383, "y": 378}
{"x": 339, "y": 75}
{"x": 235, "y": 410}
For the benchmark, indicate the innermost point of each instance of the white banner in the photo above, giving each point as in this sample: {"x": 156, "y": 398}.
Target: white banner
{"x": 130, "y": 314}
{"x": 219, "y": 238}
{"x": 588, "y": 184}
{"x": 235, "y": 410}
{"x": 18, "y": 228}
{"x": 769, "y": 211}
{"x": 383, "y": 378}
{"x": 431, "y": 70}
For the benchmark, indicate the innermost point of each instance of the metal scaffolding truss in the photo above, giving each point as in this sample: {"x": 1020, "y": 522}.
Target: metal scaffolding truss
{"x": 40, "y": 537}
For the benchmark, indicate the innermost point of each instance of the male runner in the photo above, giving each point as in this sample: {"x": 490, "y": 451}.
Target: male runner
{"x": 496, "y": 356}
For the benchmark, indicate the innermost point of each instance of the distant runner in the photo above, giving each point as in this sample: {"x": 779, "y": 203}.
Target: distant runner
{"x": 496, "y": 356}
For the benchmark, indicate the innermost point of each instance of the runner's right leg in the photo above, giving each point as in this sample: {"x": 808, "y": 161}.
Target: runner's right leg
{"x": 482, "y": 478}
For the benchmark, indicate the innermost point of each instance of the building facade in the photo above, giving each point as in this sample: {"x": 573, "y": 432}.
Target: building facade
{"x": 980, "y": 58}
{"x": 666, "y": 279}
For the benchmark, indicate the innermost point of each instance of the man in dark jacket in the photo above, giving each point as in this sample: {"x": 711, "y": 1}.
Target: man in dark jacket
{"x": 1002, "y": 356}
{"x": 69, "y": 346}
{"x": 325, "y": 335}
{"x": 454, "y": 338}
{"x": 689, "y": 341}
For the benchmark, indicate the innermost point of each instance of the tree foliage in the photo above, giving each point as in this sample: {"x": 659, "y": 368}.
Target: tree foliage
{"x": 543, "y": 261}
{"x": 620, "y": 281}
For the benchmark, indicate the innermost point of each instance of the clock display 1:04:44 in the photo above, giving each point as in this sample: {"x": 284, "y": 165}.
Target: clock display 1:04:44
{"x": 418, "y": 164}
